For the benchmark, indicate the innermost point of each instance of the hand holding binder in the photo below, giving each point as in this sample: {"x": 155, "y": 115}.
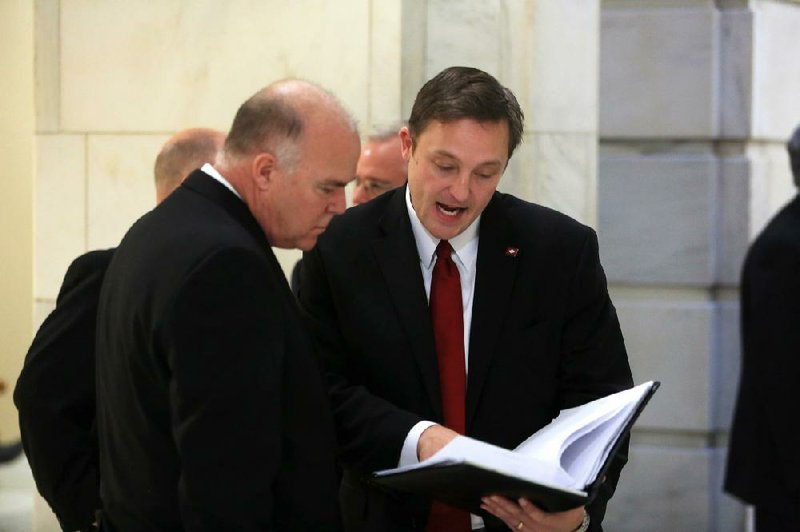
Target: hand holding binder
{"x": 559, "y": 467}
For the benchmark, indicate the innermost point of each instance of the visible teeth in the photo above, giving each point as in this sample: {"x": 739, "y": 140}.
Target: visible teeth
{"x": 447, "y": 211}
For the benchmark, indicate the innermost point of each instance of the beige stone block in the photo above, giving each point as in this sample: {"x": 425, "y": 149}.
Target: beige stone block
{"x": 670, "y": 340}
{"x": 385, "y": 66}
{"x": 776, "y": 83}
{"x": 120, "y": 184}
{"x": 179, "y": 64}
{"x": 47, "y": 67}
{"x": 556, "y": 170}
{"x": 464, "y": 33}
{"x": 771, "y": 184}
{"x": 60, "y": 209}
{"x": 41, "y": 309}
{"x": 554, "y": 78}
{"x": 658, "y": 71}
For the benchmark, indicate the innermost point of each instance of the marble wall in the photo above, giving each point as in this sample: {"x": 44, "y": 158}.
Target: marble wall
{"x": 697, "y": 98}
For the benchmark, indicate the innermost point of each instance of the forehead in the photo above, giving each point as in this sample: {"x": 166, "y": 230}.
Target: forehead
{"x": 466, "y": 139}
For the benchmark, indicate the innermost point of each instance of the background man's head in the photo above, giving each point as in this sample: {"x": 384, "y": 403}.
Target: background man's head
{"x": 184, "y": 152}
{"x": 463, "y": 129}
{"x": 290, "y": 152}
{"x": 381, "y": 166}
{"x": 794, "y": 155}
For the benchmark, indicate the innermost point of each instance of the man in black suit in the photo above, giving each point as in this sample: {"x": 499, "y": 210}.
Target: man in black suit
{"x": 55, "y": 392}
{"x": 534, "y": 331}
{"x": 763, "y": 464}
{"x": 211, "y": 410}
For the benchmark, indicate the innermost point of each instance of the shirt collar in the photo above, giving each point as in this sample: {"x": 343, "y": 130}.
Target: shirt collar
{"x": 465, "y": 244}
{"x": 212, "y": 172}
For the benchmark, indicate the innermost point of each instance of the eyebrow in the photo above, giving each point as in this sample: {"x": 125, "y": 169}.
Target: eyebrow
{"x": 445, "y": 153}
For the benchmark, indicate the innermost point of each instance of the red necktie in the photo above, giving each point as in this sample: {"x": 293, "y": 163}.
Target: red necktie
{"x": 447, "y": 316}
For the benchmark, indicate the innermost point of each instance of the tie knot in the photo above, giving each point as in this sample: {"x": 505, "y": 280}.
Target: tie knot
{"x": 443, "y": 249}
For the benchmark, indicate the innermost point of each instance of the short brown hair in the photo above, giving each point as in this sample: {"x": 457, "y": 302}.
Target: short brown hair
{"x": 463, "y": 92}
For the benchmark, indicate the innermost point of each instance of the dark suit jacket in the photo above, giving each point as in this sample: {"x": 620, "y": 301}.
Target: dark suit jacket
{"x": 212, "y": 413}
{"x": 544, "y": 337}
{"x": 56, "y": 400}
{"x": 763, "y": 461}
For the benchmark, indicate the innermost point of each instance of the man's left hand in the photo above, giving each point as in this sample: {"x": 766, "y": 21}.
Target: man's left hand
{"x": 523, "y": 515}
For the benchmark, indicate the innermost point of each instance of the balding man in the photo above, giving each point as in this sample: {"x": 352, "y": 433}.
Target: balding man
{"x": 55, "y": 392}
{"x": 211, "y": 409}
{"x": 185, "y": 151}
{"x": 381, "y": 167}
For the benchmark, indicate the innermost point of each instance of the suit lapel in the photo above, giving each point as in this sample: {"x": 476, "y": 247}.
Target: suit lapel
{"x": 496, "y": 272}
{"x": 398, "y": 259}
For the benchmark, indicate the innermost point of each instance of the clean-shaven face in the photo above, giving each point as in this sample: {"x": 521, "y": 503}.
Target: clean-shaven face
{"x": 381, "y": 167}
{"x": 453, "y": 170}
{"x": 313, "y": 194}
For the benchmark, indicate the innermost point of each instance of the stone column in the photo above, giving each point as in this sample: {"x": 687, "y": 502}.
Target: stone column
{"x": 697, "y": 98}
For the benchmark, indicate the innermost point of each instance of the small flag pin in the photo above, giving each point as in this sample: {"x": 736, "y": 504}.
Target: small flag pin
{"x": 512, "y": 252}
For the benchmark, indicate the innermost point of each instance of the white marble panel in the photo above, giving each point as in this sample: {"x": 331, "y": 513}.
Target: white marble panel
{"x": 771, "y": 183}
{"x": 41, "y": 309}
{"x": 730, "y": 512}
{"x": 47, "y": 68}
{"x": 658, "y": 72}
{"x": 556, "y": 170}
{"x": 671, "y": 341}
{"x": 777, "y": 69}
{"x": 736, "y": 72}
{"x": 663, "y": 489}
{"x": 59, "y": 209}
{"x": 120, "y": 184}
{"x": 465, "y": 32}
{"x": 287, "y": 258}
{"x": 656, "y": 216}
{"x": 385, "y": 66}
{"x": 550, "y": 62}
{"x": 727, "y": 362}
{"x": 178, "y": 64}
{"x": 734, "y": 222}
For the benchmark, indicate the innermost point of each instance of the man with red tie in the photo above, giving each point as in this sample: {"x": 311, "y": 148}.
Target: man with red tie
{"x": 446, "y": 307}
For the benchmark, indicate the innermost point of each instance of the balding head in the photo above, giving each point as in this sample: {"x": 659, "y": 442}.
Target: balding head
{"x": 275, "y": 119}
{"x": 184, "y": 152}
{"x": 290, "y": 152}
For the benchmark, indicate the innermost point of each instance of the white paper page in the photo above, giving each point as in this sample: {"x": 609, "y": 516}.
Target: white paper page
{"x": 579, "y": 438}
{"x": 467, "y": 450}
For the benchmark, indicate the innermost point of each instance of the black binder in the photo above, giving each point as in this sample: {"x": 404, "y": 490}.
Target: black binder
{"x": 463, "y": 484}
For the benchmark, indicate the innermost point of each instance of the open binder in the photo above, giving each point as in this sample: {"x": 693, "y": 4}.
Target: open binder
{"x": 559, "y": 467}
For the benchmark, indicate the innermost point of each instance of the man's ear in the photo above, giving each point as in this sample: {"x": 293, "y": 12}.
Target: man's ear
{"x": 406, "y": 144}
{"x": 264, "y": 170}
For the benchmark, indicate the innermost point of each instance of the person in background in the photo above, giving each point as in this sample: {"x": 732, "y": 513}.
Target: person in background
{"x": 446, "y": 307}
{"x": 763, "y": 466}
{"x": 55, "y": 392}
{"x": 381, "y": 166}
{"x": 212, "y": 413}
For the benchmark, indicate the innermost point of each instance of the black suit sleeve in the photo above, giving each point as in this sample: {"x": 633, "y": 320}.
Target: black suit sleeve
{"x": 371, "y": 430}
{"x": 225, "y": 349}
{"x": 55, "y": 396}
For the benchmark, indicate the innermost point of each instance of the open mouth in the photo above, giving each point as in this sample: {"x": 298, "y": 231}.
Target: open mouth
{"x": 449, "y": 210}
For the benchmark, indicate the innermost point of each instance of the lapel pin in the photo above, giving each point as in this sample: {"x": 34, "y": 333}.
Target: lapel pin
{"x": 512, "y": 252}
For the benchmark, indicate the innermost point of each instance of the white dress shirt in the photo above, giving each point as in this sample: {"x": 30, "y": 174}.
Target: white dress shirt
{"x": 465, "y": 257}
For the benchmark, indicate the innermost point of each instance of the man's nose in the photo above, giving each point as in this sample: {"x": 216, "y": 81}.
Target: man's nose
{"x": 338, "y": 203}
{"x": 459, "y": 188}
